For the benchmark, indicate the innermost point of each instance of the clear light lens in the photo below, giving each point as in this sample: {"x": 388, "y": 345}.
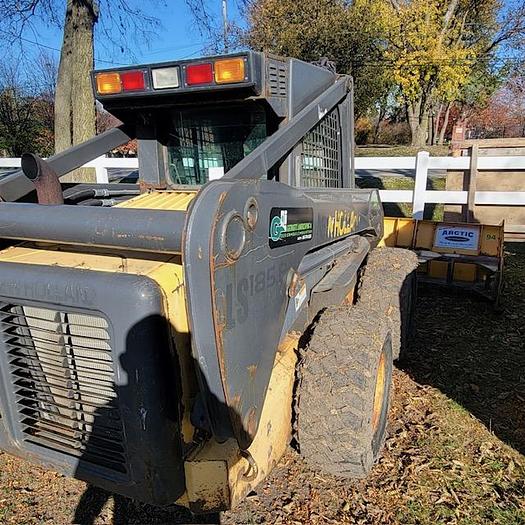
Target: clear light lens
{"x": 166, "y": 77}
{"x": 229, "y": 70}
{"x": 108, "y": 83}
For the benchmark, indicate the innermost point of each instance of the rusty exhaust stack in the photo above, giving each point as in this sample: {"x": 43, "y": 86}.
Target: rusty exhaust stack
{"x": 43, "y": 176}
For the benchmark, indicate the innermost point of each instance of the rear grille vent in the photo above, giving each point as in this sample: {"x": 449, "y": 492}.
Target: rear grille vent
{"x": 278, "y": 79}
{"x": 63, "y": 381}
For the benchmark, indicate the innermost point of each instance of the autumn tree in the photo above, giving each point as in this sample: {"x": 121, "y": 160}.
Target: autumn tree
{"x": 435, "y": 45}
{"x": 309, "y": 30}
{"x": 26, "y": 112}
{"x": 504, "y": 114}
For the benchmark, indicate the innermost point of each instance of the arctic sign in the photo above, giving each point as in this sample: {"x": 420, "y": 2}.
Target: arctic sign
{"x": 457, "y": 237}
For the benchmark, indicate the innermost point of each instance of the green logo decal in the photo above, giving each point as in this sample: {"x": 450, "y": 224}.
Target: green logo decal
{"x": 278, "y": 226}
{"x": 290, "y": 226}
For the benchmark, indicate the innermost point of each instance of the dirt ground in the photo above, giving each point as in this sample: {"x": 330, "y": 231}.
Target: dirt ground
{"x": 455, "y": 452}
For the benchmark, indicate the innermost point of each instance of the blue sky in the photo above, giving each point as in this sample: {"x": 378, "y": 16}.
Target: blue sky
{"x": 177, "y": 38}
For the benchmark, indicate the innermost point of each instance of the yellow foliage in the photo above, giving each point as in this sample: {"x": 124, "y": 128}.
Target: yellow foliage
{"x": 428, "y": 46}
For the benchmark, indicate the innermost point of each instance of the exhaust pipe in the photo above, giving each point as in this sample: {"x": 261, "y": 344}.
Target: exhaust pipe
{"x": 44, "y": 177}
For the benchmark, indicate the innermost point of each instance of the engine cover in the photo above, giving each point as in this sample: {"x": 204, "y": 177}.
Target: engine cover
{"x": 88, "y": 378}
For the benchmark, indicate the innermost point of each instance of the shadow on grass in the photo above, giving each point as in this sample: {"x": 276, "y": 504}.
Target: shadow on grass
{"x": 474, "y": 355}
{"x": 127, "y": 511}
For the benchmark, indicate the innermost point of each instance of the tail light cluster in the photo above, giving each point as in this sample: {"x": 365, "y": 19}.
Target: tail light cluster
{"x": 222, "y": 71}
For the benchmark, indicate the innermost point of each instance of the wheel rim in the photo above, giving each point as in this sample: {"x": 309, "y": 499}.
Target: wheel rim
{"x": 379, "y": 395}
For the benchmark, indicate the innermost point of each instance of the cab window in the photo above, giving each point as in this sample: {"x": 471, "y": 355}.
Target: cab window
{"x": 205, "y": 143}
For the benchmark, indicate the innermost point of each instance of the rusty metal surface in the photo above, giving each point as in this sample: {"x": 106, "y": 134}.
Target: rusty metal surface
{"x": 219, "y": 476}
{"x": 238, "y": 308}
{"x": 16, "y": 185}
{"x": 44, "y": 177}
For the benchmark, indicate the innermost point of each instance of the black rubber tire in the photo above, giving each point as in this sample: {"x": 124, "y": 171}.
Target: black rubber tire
{"x": 336, "y": 390}
{"x": 389, "y": 283}
{"x": 407, "y": 305}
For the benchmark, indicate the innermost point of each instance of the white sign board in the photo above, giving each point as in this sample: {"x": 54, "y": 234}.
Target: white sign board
{"x": 457, "y": 237}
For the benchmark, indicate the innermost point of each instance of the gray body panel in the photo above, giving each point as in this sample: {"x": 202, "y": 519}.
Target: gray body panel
{"x": 238, "y": 307}
{"x": 156, "y": 231}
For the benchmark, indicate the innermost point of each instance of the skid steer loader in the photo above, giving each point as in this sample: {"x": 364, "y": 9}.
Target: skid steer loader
{"x": 167, "y": 338}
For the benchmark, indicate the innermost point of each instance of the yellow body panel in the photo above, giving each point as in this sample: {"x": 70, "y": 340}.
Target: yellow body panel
{"x": 219, "y": 476}
{"x": 416, "y": 235}
{"x": 161, "y": 200}
{"x": 424, "y": 235}
{"x": 464, "y": 272}
{"x": 438, "y": 269}
{"x": 491, "y": 240}
{"x": 398, "y": 232}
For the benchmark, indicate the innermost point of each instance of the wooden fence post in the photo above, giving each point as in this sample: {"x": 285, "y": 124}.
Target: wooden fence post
{"x": 420, "y": 186}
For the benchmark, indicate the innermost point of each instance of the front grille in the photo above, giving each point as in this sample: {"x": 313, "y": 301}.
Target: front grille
{"x": 63, "y": 379}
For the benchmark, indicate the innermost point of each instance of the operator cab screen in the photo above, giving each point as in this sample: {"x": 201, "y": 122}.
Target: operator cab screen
{"x": 204, "y": 143}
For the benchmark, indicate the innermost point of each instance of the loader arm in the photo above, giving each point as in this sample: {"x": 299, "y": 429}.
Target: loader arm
{"x": 244, "y": 282}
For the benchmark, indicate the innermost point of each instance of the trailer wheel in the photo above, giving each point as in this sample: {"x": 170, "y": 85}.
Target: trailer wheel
{"x": 343, "y": 396}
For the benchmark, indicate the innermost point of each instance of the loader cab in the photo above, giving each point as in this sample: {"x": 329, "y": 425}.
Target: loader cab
{"x": 195, "y": 120}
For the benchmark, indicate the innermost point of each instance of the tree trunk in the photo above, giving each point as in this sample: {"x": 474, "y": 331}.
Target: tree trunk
{"x": 63, "y": 86}
{"x": 83, "y": 100}
{"x": 380, "y": 116}
{"x": 443, "y": 129}
{"x": 75, "y": 115}
{"x": 430, "y": 134}
{"x": 437, "y": 120}
{"x": 418, "y": 122}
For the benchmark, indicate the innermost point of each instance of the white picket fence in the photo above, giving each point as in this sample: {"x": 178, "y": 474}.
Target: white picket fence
{"x": 420, "y": 166}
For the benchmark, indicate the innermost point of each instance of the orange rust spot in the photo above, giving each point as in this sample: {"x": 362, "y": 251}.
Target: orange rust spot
{"x": 251, "y": 423}
{"x": 236, "y": 401}
{"x": 349, "y": 299}
{"x": 252, "y": 369}
{"x": 295, "y": 285}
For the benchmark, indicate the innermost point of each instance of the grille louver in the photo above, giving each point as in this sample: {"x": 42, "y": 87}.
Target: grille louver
{"x": 63, "y": 379}
{"x": 278, "y": 79}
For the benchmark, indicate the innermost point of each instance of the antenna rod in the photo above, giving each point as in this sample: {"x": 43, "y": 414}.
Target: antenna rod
{"x": 225, "y": 23}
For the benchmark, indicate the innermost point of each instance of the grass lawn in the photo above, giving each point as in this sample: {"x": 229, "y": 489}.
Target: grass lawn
{"x": 399, "y": 151}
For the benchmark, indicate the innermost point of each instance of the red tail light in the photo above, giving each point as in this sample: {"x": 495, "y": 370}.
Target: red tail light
{"x": 132, "y": 81}
{"x": 199, "y": 74}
